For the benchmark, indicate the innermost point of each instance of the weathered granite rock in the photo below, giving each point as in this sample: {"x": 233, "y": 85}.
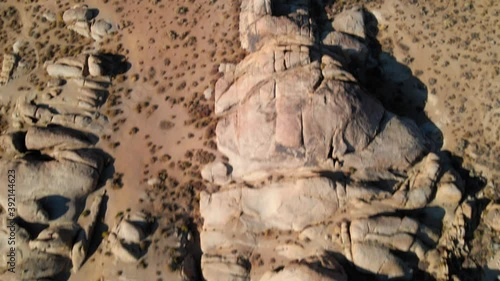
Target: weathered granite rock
{"x": 274, "y": 118}
{"x": 492, "y": 217}
{"x": 56, "y": 165}
{"x": 128, "y": 237}
{"x": 50, "y": 16}
{"x": 100, "y": 29}
{"x": 83, "y": 237}
{"x": 316, "y": 164}
{"x": 38, "y": 138}
{"x": 50, "y": 190}
{"x": 266, "y": 20}
{"x": 65, "y": 71}
{"x": 94, "y": 65}
{"x": 56, "y": 239}
{"x": 81, "y": 27}
{"x": 350, "y": 22}
{"x": 68, "y": 178}
{"x": 216, "y": 172}
{"x": 8, "y": 63}
{"x": 77, "y": 13}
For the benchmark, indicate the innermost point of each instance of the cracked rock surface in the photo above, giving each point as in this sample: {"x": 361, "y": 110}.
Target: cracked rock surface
{"x": 51, "y": 147}
{"x": 318, "y": 170}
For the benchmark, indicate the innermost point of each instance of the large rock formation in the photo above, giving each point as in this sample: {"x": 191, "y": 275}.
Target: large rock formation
{"x": 317, "y": 167}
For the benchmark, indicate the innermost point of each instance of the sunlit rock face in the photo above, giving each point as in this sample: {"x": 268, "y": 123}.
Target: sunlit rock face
{"x": 318, "y": 169}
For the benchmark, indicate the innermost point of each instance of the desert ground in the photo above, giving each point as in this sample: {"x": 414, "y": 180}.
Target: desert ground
{"x": 437, "y": 65}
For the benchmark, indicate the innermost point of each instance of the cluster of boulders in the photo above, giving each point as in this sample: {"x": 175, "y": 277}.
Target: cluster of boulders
{"x": 82, "y": 20}
{"x": 50, "y": 146}
{"x": 73, "y": 97}
{"x": 318, "y": 169}
{"x": 129, "y": 238}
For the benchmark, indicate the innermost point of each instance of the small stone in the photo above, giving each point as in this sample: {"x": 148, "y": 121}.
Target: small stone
{"x": 208, "y": 93}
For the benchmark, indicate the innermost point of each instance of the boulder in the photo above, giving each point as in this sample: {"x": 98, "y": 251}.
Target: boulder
{"x": 350, "y": 22}
{"x": 100, "y": 29}
{"x": 208, "y": 93}
{"x": 216, "y": 172}
{"x": 129, "y": 235}
{"x": 81, "y": 27}
{"x": 64, "y": 71}
{"x": 50, "y": 16}
{"x": 285, "y": 206}
{"x": 56, "y": 239}
{"x": 77, "y": 13}
{"x": 94, "y": 65}
{"x": 8, "y": 63}
{"x": 492, "y": 216}
{"x": 52, "y": 180}
{"x": 39, "y": 138}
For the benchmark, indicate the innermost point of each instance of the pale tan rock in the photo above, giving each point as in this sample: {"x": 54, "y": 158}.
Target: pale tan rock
{"x": 216, "y": 172}
{"x": 56, "y": 239}
{"x": 84, "y": 236}
{"x": 100, "y": 29}
{"x": 77, "y": 13}
{"x": 64, "y": 71}
{"x": 129, "y": 232}
{"x": 350, "y": 22}
{"x": 81, "y": 27}
{"x": 126, "y": 237}
{"x": 50, "y": 16}
{"x": 39, "y": 138}
{"x": 8, "y": 63}
{"x": 492, "y": 217}
{"x": 94, "y": 65}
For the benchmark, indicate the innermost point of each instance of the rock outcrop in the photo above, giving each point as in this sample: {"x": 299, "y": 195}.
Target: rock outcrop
{"x": 50, "y": 146}
{"x": 318, "y": 168}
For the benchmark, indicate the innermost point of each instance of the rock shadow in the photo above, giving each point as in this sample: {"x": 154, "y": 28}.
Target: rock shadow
{"x": 55, "y": 206}
{"x": 93, "y": 13}
{"x": 114, "y": 64}
{"x": 396, "y": 86}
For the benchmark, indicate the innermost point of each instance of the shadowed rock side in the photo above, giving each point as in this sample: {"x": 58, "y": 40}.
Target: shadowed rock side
{"x": 318, "y": 169}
